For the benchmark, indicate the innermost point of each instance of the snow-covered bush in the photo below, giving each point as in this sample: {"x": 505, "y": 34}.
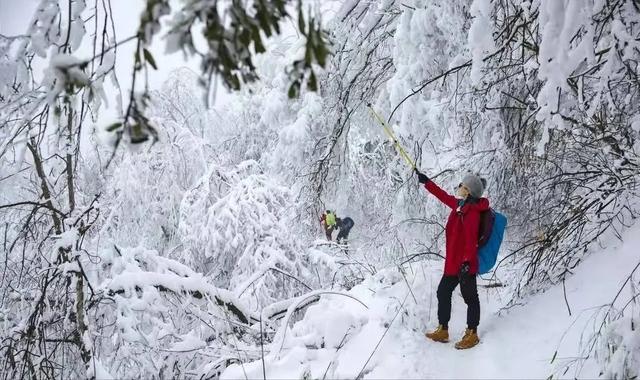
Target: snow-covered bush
{"x": 621, "y": 349}
{"x": 244, "y": 234}
{"x": 153, "y": 315}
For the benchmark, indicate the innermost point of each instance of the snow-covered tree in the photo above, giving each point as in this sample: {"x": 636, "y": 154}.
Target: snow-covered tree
{"x": 178, "y": 257}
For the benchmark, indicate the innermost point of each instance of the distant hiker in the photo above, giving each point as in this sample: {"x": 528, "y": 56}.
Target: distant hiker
{"x": 328, "y": 221}
{"x": 461, "y": 261}
{"x": 345, "y": 225}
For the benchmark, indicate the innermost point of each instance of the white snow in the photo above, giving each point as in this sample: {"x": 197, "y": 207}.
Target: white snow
{"x": 537, "y": 340}
{"x": 189, "y": 342}
{"x": 543, "y": 141}
{"x": 205, "y": 238}
{"x": 97, "y": 370}
{"x": 635, "y": 123}
{"x": 480, "y": 37}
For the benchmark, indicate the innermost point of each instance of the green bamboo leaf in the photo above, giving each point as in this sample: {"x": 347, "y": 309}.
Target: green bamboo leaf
{"x": 234, "y": 81}
{"x": 308, "y": 54}
{"x": 301, "y": 24}
{"x": 257, "y": 40}
{"x": 321, "y": 52}
{"x": 259, "y": 46}
{"x": 149, "y": 58}
{"x": 263, "y": 19}
{"x": 312, "y": 85}
{"x": 245, "y": 37}
{"x": 138, "y": 135}
{"x": 114, "y": 126}
{"x": 294, "y": 89}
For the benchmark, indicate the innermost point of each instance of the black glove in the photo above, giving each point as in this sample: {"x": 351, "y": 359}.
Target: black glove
{"x": 464, "y": 271}
{"x": 421, "y": 177}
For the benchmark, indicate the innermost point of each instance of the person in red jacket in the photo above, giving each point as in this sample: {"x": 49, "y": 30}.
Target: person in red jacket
{"x": 461, "y": 260}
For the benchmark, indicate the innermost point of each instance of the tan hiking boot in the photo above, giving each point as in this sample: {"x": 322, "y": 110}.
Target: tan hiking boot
{"x": 439, "y": 335}
{"x": 469, "y": 340}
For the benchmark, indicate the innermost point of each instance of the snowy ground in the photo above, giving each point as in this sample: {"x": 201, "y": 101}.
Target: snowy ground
{"x": 338, "y": 335}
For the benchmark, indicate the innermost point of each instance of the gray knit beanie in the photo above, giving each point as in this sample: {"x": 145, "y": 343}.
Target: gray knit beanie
{"x": 475, "y": 184}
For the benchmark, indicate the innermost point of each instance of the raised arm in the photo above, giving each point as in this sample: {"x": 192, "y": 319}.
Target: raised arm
{"x": 434, "y": 189}
{"x": 442, "y": 195}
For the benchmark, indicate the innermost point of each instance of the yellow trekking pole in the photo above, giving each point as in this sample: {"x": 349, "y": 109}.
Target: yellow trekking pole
{"x": 393, "y": 138}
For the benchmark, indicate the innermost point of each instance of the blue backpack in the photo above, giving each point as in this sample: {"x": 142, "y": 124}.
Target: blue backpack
{"x": 492, "y": 225}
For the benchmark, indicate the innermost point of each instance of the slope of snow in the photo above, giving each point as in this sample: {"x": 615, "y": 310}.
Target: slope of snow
{"x": 338, "y": 335}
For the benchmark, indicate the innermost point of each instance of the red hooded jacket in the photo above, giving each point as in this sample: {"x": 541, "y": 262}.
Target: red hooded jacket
{"x": 461, "y": 233}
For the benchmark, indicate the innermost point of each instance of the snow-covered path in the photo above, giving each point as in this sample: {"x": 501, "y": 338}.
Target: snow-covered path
{"x": 337, "y": 335}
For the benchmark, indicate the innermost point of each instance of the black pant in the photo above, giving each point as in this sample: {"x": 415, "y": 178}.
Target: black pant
{"x": 345, "y": 226}
{"x": 328, "y": 231}
{"x": 343, "y": 234}
{"x": 469, "y": 290}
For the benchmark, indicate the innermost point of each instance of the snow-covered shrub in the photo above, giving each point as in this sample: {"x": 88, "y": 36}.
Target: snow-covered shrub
{"x": 620, "y": 351}
{"x": 145, "y": 187}
{"x": 240, "y": 228}
{"x": 154, "y": 315}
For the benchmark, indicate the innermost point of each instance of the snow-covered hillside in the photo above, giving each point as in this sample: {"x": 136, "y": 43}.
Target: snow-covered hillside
{"x": 549, "y": 335}
{"x": 173, "y": 237}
